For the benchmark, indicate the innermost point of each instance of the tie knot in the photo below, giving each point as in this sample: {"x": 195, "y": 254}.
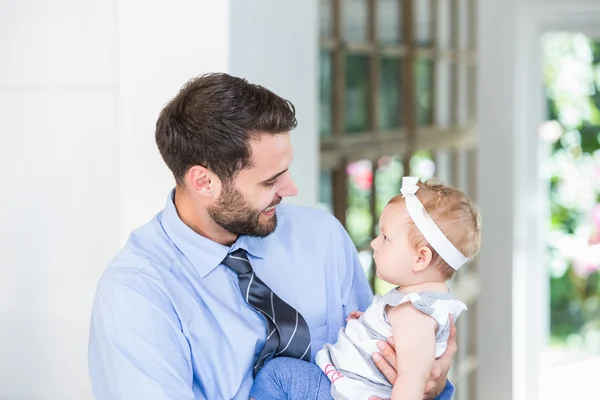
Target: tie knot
{"x": 238, "y": 262}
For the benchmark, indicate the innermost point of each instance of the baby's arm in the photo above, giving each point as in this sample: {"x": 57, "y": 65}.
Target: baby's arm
{"x": 414, "y": 335}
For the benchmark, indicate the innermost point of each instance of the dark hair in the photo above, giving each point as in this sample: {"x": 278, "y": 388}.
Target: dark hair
{"x": 211, "y": 121}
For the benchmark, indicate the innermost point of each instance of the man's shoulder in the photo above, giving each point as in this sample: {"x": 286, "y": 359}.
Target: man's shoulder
{"x": 310, "y": 223}
{"x": 146, "y": 249}
{"x": 305, "y": 215}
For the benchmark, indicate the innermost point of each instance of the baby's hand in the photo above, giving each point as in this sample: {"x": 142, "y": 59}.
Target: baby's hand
{"x": 354, "y": 315}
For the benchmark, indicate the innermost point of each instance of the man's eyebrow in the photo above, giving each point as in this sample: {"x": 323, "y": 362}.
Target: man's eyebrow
{"x": 277, "y": 175}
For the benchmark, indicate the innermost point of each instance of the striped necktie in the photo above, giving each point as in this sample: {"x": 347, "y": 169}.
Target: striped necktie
{"x": 287, "y": 332}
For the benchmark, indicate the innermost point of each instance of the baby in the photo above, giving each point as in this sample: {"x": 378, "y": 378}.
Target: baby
{"x": 425, "y": 235}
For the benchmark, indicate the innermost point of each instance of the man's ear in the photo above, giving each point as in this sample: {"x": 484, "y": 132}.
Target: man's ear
{"x": 203, "y": 181}
{"x": 424, "y": 256}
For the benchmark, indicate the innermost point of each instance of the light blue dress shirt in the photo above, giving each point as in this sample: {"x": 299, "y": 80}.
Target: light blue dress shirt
{"x": 169, "y": 321}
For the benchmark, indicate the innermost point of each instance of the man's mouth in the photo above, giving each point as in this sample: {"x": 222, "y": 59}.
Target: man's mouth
{"x": 272, "y": 206}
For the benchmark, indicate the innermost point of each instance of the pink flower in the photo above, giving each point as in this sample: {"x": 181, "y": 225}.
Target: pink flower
{"x": 384, "y": 161}
{"x": 582, "y": 269}
{"x": 361, "y": 174}
{"x": 596, "y": 216}
{"x": 587, "y": 260}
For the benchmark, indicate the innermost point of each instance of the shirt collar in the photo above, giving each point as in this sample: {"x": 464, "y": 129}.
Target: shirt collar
{"x": 204, "y": 254}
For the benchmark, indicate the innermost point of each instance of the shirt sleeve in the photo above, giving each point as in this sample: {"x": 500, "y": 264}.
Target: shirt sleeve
{"x": 356, "y": 291}
{"x": 447, "y": 393}
{"x": 135, "y": 352}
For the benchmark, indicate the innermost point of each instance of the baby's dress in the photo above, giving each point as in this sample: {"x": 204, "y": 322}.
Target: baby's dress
{"x": 348, "y": 363}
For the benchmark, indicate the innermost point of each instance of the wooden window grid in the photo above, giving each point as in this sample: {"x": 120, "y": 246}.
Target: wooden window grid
{"x": 450, "y": 139}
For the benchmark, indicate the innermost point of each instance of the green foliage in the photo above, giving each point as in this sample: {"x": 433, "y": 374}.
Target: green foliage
{"x": 572, "y": 73}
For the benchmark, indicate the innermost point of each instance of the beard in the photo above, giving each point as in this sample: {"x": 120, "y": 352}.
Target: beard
{"x": 236, "y": 215}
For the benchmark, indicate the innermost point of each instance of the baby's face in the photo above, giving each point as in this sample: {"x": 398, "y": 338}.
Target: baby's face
{"x": 394, "y": 256}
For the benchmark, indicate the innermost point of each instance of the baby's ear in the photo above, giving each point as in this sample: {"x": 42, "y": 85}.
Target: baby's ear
{"x": 424, "y": 256}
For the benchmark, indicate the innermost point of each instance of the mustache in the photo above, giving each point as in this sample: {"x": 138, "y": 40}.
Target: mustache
{"x": 275, "y": 202}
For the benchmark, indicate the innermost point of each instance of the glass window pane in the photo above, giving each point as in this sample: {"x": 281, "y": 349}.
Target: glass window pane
{"x": 326, "y": 190}
{"x": 388, "y": 112}
{"x": 454, "y": 93}
{"x": 325, "y": 89}
{"x": 471, "y": 93}
{"x": 463, "y": 23}
{"x": 444, "y": 25}
{"x": 325, "y": 18}
{"x": 422, "y": 165}
{"x": 472, "y": 29}
{"x": 454, "y": 24}
{"x": 355, "y": 21}
{"x": 423, "y": 22}
{"x": 443, "y": 165}
{"x": 365, "y": 258}
{"x": 443, "y": 93}
{"x": 357, "y": 86}
{"x": 388, "y": 180}
{"x": 382, "y": 287}
{"x": 423, "y": 91}
{"x": 359, "y": 221}
{"x": 388, "y": 22}
{"x": 463, "y": 88}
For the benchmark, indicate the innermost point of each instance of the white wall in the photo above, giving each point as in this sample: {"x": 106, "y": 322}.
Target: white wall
{"x": 513, "y": 309}
{"x": 57, "y": 177}
{"x": 282, "y": 55}
{"x": 158, "y": 50}
{"x": 81, "y": 85}
{"x": 496, "y": 41}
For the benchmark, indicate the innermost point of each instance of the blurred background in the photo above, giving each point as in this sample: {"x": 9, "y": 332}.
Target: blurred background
{"x": 500, "y": 98}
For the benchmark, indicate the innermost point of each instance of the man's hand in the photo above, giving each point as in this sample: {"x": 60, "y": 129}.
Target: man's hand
{"x": 386, "y": 363}
{"x": 354, "y": 315}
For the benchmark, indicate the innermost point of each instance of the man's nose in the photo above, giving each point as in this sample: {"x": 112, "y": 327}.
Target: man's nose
{"x": 288, "y": 188}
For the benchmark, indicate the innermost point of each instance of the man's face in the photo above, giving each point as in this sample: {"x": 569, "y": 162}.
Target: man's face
{"x": 247, "y": 205}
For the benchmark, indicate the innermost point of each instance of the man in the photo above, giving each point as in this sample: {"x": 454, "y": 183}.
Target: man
{"x": 174, "y": 317}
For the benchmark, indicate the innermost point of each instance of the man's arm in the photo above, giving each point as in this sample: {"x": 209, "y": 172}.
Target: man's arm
{"x": 134, "y": 350}
{"x": 356, "y": 292}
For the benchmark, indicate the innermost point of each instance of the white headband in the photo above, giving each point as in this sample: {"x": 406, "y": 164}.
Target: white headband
{"x": 427, "y": 226}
